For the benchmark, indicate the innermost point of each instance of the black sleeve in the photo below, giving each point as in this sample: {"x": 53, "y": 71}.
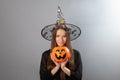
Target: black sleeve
{"x": 44, "y": 73}
{"x": 77, "y": 73}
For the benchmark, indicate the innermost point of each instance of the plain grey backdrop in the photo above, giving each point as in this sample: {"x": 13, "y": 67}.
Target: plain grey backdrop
{"x": 21, "y": 43}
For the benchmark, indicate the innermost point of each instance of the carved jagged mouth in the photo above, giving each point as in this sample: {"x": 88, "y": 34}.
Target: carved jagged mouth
{"x": 60, "y": 56}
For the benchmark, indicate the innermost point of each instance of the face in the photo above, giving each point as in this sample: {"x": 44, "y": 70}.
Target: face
{"x": 61, "y": 37}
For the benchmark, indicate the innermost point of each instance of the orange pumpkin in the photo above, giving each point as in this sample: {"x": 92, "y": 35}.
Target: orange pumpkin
{"x": 60, "y": 54}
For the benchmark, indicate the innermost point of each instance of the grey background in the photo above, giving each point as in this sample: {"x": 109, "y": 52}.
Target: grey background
{"x": 21, "y": 44}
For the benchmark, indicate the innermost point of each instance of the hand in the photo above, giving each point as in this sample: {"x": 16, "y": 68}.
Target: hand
{"x": 63, "y": 64}
{"x": 65, "y": 69}
{"x": 56, "y": 68}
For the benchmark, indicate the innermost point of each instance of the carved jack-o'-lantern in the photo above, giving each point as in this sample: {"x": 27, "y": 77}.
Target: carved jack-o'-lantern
{"x": 60, "y": 54}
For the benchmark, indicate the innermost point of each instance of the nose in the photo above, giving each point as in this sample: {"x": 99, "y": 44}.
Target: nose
{"x": 61, "y": 38}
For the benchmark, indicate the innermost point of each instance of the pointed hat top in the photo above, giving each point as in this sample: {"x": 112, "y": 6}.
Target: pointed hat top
{"x": 60, "y": 17}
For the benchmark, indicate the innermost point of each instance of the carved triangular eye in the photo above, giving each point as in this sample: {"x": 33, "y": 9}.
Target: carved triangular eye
{"x": 62, "y": 50}
{"x": 57, "y": 50}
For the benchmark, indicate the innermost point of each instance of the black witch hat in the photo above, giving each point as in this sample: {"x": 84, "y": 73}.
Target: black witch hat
{"x": 74, "y": 30}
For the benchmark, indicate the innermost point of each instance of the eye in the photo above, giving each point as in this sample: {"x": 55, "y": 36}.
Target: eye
{"x": 57, "y": 35}
{"x": 64, "y": 36}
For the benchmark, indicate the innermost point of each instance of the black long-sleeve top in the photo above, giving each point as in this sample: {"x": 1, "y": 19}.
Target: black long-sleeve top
{"x": 45, "y": 74}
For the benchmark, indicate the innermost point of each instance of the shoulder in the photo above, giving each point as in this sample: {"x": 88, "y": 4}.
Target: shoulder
{"x": 76, "y": 52}
{"x": 46, "y": 53}
{"x": 77, "y": 57}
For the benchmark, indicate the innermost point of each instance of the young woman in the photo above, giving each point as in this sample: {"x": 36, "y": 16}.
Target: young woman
{"x": 71, "y": 69}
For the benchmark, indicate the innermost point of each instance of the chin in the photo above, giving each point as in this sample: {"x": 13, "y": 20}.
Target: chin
{"x": 60, "y": 45}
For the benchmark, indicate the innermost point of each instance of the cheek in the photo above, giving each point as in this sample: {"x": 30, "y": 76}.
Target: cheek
{"x": 57, "y": 40}
{"x": 65, "y": 39}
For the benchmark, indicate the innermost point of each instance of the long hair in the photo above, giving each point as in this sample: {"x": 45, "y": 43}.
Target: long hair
{"x": 70, "y": 64}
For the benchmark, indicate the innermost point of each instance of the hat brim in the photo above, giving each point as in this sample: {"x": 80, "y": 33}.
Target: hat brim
{"x": 75, "y": 31}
